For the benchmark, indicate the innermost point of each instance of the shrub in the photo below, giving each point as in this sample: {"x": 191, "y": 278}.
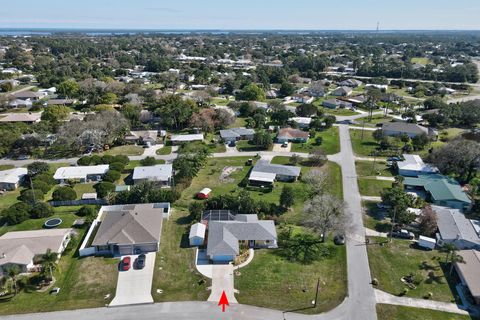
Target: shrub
{"x": 95, "y": 159}
{"x": 112, "y": 176}
{"x": 31, "y": 196}
{"x": 45, "y": 177}
{"x": 196, "y": 209}
{"x": 107, "y": 159}
{"x": 41, "y": 210}
{"x": 117, "y": 166}
{"x": 86, "y": 211}
{"x": 37, "y": 167}
{"x": 104, "y": 188}
{"x": 84, "y": 161}
{"x": 42, "y": 186}
{"x": 148, "y": 161}
{"x": 16, "y": 213}
{"x": 64, "y": 194}
{"x": 121, "y": 158}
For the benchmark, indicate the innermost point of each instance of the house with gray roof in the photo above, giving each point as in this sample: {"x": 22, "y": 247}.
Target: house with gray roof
{"x": 25, "y": 248}
{"x": 342, "y": 91}
{"x": 335, "y": 104}
{"x": 226, "y": 237}
{"x": 161, "y": 174}
{"x": 468, "y": 270}
{"x": 455, "y": 228}
{"x": 265, "y": 173}
{"x": 235, "y": 134}
{"x": 292, "y": 135}
{"x": 129, "y": 229}
{"x": 410, "y": 129}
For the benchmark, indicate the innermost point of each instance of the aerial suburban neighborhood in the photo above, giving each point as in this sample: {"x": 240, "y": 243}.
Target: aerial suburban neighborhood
{"x": 236, "y": 171}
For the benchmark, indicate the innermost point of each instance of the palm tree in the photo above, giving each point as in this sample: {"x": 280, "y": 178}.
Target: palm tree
{"x": 12, "y": 272}
{"x": 49, "y": 261}
{"x": 448, "y": 248}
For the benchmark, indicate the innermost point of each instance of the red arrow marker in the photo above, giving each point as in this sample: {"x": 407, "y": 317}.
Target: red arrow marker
{"x": 223, "y": 301}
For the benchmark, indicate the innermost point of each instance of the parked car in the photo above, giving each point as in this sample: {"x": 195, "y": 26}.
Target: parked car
{"x": 285, "y": 145}
{"x": 249, "y": 162}
{"x": 141, "y": 261}
{"x": 126, "y": 261}
{"x": 339, "y": 239}
{"x": 23, "y": 157}
{"x": 403, "y": 234}
{"x": 55, "y": 290}
{"x": 394, "y": 159}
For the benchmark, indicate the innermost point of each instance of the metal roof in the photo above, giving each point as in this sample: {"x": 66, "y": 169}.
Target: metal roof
{"x": 453, "y": 225}
{"x": 159, "y": 172}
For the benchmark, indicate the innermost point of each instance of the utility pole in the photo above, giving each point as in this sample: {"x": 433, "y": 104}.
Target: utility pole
{"x": 33, "y": 190}
{"x": 393, "y": 222}
{"x": 316, "y": 293}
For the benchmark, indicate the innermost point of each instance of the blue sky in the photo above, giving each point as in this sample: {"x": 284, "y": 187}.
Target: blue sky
{"x": 244, "y": 14}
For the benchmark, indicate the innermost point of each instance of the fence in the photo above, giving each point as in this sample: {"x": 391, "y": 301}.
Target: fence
{"x": 84, "y": 202}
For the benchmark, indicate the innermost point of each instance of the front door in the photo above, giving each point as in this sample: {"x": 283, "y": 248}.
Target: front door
{"x": 251, "y": 243}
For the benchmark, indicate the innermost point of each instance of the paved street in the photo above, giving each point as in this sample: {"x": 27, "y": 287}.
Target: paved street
{"x": 134, "y": 286}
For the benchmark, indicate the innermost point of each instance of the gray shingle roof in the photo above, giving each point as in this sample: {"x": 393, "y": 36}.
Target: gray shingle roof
{"x": 452, "y": 224}
{"x": 405, "y": 127}
{"x": 266, "y": 167}
{"x": 236, "y": 133}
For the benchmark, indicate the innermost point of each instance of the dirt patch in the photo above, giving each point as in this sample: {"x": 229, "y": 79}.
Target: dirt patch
{"x": 226, "y": 172}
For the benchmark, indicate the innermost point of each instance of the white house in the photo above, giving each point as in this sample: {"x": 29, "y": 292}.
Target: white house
{"x": 196, "y": 236}
{"x": 413, "y": 166}
{"x": 183, "y": 138}
{"x": 10, "y": 179}
{"x": 81, "y": 173}
{"x": 302, "y": 122}
{"x": 161, "y": 174}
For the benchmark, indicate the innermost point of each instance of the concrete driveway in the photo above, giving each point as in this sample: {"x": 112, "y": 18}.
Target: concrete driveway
{"x": 134, "y": 286}
{"x": 277, "y": 147}
{"x": 222, "y": 280}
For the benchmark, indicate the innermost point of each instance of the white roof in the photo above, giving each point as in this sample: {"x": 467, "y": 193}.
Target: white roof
{"x": 414, "y": 162}
{"x": 205, "y": 191}
{"x": 301, "y": 120}
{"x": 80, "y": 172}
{"x": 262, "y": 176}
{"x": 12, "y": 175}
{"x": 427, "y": 239}
{"x": 87, "y": 196}
{"x": 197, "y": 230}
{"x": 187, "y": 137}
{"x": 160, "y": 172}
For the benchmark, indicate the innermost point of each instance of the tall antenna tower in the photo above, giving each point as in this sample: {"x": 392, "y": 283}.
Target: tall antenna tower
{"x": 378, "y": 26}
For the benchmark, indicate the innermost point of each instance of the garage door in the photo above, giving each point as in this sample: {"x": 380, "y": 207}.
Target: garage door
{"x": 147, "y": 247}
{"x": 125, "y": 250}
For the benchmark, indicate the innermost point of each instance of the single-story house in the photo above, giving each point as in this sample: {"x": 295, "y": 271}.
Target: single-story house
{"x": 61, "y": 102}
{"x": 303, "y": 98}
{"x": 335, "y": 104}
{"x": 225, "y": 237}
{"x": 356, "y": 100}
{"x": 265, "y": 173}
{"x": 468, "y": 271}
{"x": 30, "y": 95}
{"x": 142, "y": 137}
{"x": 292, "y": 135}
{"x": 81, "y": 173}
{"x": 377, "y": 86}
{"x": 353, "y": 83}
{"x": 410, "y": 129}
{"x": 160, "y": 173}
{"x": 130, "y": 229}
{"x": 413, "y": 166}
{"x": 177, "y": 139}
{"x": 342, "y": 91}
{"x": 317, "y": 89}
{"x": 455, "y": 228}
{"x": 19, "y": 103}
{"x": 301, "y": 122}
{"x": 11, "y": 179}
{"x": 196, "y": 236}
{"x": 25, "y": 248}
{"x": 440, "y": 190}
{"x": 235, "y": 134}
{"x": 28, "y": 118}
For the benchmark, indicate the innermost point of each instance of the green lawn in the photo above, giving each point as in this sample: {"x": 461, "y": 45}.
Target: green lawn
{"x": 81, "y": 188}
{"x": 273, "y": 282}
{"x": 136, "y": 163}
{"x": 129, "y": 150}
{"x": 67, "y": 214}
{"x": 9, "y": 198}
{"x": 375, "y": 120}
{"x": 392, "y": 312}
{"x": 371, "y": 169}
{"x": 247, "y": 146}
{"x": 329, "y": 145}
{"x": 372, "y": 187}
{"x": 6, "y": 167}
{"x": 178, "y": 277}
{"x": 421, "y": 60}
{"x": 167, "y": 149}
{"x": 365, "y": 146}
{"x": 374, "y": 218}
{"x": 391, "y": 262}
{"x": 239, "y": 122}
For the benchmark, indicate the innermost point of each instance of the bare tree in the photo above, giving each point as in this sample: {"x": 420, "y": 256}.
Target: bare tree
{"x": 428, "y": 221}
{"x": 324, "y": 214}
{"x": 317, "y": 181}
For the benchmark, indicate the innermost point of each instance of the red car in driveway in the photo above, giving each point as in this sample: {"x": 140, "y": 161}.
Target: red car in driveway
{"x": 126, "y": 262}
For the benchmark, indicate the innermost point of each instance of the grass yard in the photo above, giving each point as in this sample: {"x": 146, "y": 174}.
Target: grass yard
{"x": 167, "y": 149}
{"x": 365, "y": 146}
{"x": 329, "y": 145}
{"x": 81, "y": 188}
{"x": 374, "y": 218}
{"x": 376, "y": 119}
{"x": 9, "y": 198}
{"x": 128, "y": 150}
{"x": 136, "y": 163}
{"x": 67, "y": 214}
{"x": 370, "y": 169}
{"x": 421, "y": 60}
{"x": 178, "y": 277}
{"x": 6, "y": 167}
{"x": 372, "y": 187}
{"x": 239, "y": 122}
{"x": 292, "y": 284}
{"x": 391, "y": 262}
{"x": 392, "y": 312}
{"x": 248, "y": 146}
